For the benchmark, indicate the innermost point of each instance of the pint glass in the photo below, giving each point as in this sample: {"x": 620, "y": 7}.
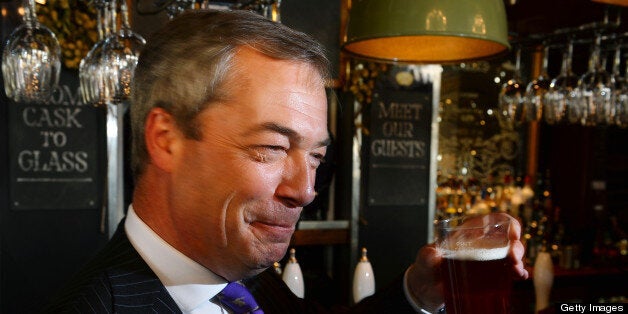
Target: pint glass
{"x": 476, "y": 275}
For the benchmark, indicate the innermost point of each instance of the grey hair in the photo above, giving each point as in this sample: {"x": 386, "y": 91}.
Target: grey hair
{"x": 184, "y": 66}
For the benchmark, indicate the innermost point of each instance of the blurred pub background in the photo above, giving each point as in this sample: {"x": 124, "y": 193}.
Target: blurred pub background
{"x": 491, "y": 135}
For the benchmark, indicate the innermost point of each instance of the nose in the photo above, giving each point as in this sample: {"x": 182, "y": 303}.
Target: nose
{"x": 296, "y": 188}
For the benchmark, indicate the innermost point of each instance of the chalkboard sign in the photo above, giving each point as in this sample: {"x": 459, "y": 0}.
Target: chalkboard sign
{"x": 399, "y": 168}
{"x": 54, "y": 152}
{"x": 399, "y": 144}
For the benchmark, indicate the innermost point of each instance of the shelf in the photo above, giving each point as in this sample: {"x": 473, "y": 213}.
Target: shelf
{"x": 584, "y": 272}
{"x": 323, "y": 224}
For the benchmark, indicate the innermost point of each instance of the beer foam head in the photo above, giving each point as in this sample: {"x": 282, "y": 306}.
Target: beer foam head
{"x": 477, "y": 254}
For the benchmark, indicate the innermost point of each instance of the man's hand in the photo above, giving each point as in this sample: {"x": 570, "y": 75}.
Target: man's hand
{"x": 424, "y": 277}
{"x": 517, "y": 250}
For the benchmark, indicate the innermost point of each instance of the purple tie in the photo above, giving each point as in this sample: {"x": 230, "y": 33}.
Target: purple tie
{"x": 238, "y": 299}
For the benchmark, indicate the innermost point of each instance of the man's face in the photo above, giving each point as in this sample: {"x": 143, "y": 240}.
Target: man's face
{"x": 239, "y": 191}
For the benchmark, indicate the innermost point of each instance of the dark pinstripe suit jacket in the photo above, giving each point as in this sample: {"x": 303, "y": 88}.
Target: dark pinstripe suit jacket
{"x": 118, "y": 280}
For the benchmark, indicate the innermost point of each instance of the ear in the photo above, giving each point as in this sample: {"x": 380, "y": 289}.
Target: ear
{"x": 162, "y": 137}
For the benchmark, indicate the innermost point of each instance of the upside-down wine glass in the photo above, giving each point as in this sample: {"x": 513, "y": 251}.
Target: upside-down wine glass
{"x": 619, "y": 98}
{"x": 560, "y": 101}
{"x": 594, "y": 89}
{"x": 511, "y": 97}
{"x": 31, "y": 60}
{"x": 107, "y": 71}
{"x": 90, "y": 75}
{"x": 534, "y": 100}
{"x": 621, "y": 113}
{"x": 120, "y": 55}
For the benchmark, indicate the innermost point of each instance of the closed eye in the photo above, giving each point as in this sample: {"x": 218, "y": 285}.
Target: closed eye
{"x": 274, "y": 147}
{"x": 318, "y": 159}
{"x": 268, "y": 153}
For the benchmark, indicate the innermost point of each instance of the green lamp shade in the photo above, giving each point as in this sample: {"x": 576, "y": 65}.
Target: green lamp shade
{"x": 426, "y": 31}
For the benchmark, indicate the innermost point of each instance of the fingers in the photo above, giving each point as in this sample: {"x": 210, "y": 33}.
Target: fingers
{"x": 515, "y": 230}
{"x": 516, "y": 253}
{"x": 424, "y": 280}
{"x": 429, "y": 257}
{"x": 517, "y": 250}
{"x": 426, "y": 268}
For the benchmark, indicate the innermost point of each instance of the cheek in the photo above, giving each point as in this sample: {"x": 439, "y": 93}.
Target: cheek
{"x": 256, "y": 178}
{"x": 226, "y": 169}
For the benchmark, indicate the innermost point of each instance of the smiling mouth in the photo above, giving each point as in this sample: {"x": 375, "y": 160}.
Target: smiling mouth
{"x": 275, "y": 232}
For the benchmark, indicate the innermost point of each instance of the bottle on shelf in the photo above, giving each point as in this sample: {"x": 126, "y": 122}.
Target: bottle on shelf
{"x": 557, "y": 237}
{"x": 508, "y": 191}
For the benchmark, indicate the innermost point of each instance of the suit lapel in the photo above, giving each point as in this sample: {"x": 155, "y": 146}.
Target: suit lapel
{"x": 135, "y": 287}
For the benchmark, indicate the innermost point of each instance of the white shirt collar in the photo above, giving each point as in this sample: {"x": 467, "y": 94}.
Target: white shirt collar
{"x": 190, "y": 284}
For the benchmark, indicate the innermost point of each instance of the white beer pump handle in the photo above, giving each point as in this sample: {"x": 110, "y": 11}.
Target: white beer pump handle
{"x": 543, "y": 280}
{"x": 293, "y": 277}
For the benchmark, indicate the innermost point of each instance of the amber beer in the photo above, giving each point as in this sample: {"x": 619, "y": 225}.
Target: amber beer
{"x": 476, "y": 274}
{"x": 477, "y": 281}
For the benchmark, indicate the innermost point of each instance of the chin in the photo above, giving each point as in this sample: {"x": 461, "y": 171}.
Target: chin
{"x": 274, "y": 254}
{"x": 254, "y": 272}
{"x": 258, "y": 269}
{"x": 271, "y": 254}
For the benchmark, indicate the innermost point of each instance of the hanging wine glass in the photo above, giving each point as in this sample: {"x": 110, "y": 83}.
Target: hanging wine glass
{"x": 619, "y": 98}
{"x": 621, "y": 104}
{"x": 31, "y": 60}
{"x": 561, "y": 101}
{"x": 120, "y": 53}
{"x": 511, "y": 97}
{"x": 90, "y": 75}
{"x": 594, "y": 88}
{"x": 534, "y": 99}
{"x": 107, "y": 71}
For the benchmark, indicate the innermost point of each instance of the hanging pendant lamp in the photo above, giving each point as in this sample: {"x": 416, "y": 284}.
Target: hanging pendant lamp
{"x": 426, "y": 31}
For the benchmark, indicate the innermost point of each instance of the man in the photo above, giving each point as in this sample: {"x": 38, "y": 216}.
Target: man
{"x": 229, "y": 122}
